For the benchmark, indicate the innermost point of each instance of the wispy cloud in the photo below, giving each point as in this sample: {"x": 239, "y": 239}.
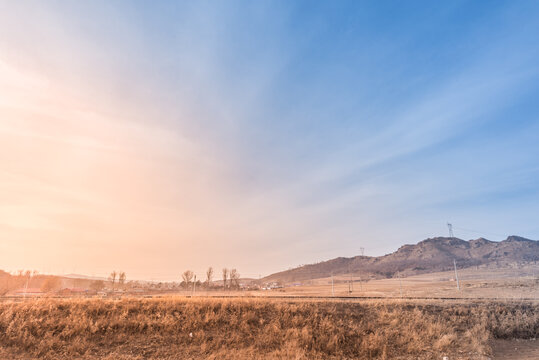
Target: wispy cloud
{"x": 187, "y": 135}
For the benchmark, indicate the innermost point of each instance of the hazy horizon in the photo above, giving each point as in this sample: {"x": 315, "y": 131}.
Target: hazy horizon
{"x": 201, "y": 274}
{"x": 155, "y": 138}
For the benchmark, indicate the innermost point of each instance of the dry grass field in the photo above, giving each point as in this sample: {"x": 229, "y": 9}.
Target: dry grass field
{"x": 492, "y": 283}
{"x": 202, "y": 328}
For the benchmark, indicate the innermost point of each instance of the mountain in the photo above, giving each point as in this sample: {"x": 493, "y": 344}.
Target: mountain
{"x": 83, "y": 277}
{"x": 430, "y": 255}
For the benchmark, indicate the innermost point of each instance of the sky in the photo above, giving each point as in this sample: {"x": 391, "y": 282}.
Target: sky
{"x": 155, "y": 137}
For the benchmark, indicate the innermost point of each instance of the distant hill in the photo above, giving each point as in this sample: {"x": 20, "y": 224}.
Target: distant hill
{"x": 83, "y": 277}
{"x": 430, "y": 255}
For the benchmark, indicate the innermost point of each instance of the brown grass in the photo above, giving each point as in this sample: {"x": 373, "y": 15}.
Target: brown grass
{"x": 178, "y": 328}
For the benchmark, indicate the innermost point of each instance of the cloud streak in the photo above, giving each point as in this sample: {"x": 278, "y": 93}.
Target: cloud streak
{"x": 258, "y": 137}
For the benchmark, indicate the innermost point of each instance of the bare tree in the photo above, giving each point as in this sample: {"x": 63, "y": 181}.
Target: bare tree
{"x": 51, "y": 284}
{"x": 97, "y": 285}
{"x": 112, "y": 278}
{"x": 209, "y": 276}
{"x": 187, "y": 276}
{"x": 28, "y": 275}
{"x": 225, "y": 277}
{"x": 80, "y": 283}
{"x": 234, "y": 279}
{"x": 121, "y": 278}
{"x": 4, "y": 289}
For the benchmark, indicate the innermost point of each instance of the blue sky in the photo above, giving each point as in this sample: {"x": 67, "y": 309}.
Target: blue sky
{"x": 269, "y": 134}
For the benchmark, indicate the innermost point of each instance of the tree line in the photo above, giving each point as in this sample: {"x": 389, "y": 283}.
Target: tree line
{"x": 230, "y": 278}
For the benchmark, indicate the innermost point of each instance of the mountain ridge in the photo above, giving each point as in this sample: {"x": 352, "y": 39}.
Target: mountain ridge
{"x": 429, "y": 255}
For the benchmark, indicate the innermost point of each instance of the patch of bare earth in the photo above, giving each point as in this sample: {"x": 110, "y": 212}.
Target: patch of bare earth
{"x": 515, "y": 349}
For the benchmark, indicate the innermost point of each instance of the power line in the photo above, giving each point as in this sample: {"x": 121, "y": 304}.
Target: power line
{"x": 478, "y": 232}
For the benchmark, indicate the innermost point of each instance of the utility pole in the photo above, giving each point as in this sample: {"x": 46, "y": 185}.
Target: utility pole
{"x": 350, "y": 283}
{"x": 194, "y": 285}
{"x": 456, "y": 274}
{"x": 452, "y": 236}
{"x": 332, "y": 286}
{"x": 400, "y": 282}
{"x": 26, "y": 286}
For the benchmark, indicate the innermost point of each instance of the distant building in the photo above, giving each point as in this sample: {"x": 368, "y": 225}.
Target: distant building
{"x": 72, "y": 291}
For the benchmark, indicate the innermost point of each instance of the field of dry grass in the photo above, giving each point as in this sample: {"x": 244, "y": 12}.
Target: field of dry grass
{"x": 506, "y": 283}
{"x": 179, "y": 328}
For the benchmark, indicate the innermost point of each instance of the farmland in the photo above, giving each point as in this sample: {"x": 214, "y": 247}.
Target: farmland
{"x": 416, "y": 317}
{"x": 491, "y": 283}
{"x": 200, "y": 328}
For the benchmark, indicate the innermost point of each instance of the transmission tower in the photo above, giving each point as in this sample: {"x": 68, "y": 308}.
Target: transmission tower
{"x": 450, "y": 227}
{"x": 362, "y": 251}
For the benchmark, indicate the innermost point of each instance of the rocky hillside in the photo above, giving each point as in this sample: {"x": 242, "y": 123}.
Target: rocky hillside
{"x": 429, "y": 255}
